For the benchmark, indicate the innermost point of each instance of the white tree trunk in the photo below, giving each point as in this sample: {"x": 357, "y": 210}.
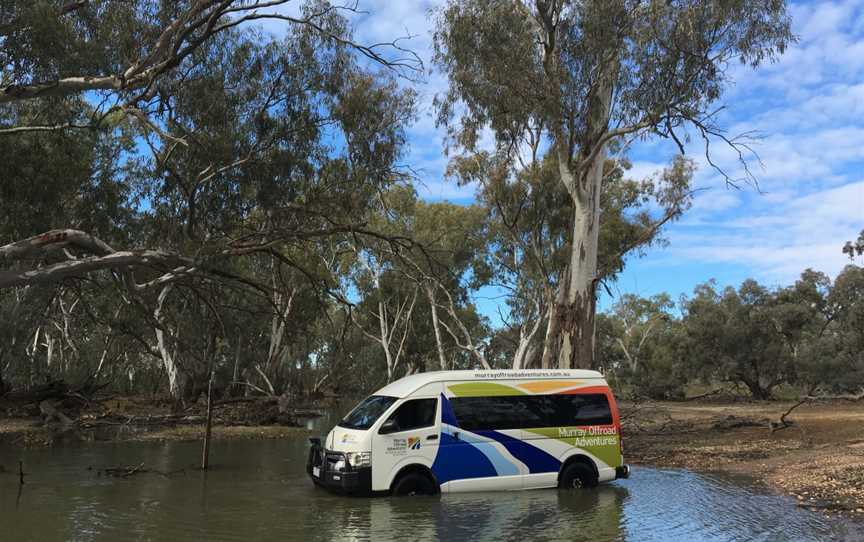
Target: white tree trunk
{"x": 276, "y": 350}
{"x": 525, "y": 349}
{"x": 430, "y": 293}
{"x": 176, "y": 377}
{"x": 576, "y": 317}
{"x": 467, "y": 341}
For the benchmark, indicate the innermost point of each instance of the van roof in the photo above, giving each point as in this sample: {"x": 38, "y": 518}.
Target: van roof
{"x": 409, "y": 384}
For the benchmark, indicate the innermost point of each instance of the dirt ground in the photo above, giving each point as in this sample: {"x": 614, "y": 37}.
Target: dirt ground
{"x": 819, "y": 459}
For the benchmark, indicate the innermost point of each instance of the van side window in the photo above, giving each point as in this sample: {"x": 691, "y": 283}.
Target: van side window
{"x": 415, "y": 414}
{"x": 531, "y": 411}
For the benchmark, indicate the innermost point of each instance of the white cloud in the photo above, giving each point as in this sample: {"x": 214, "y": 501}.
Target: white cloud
{"x": 782, "y": 239}
{"x": 714, "y": 200}
{"x": 642, "y": 169}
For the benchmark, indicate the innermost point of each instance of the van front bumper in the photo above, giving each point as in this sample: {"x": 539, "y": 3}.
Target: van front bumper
{"x": 321, "y": 466}
{"x": 622, "y": 472}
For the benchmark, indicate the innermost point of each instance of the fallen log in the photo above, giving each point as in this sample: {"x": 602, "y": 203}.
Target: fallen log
{"x": 131, "y": 470}
{"x": 123, "y": 472}
{"x": 166, "y": 419}
{"x": 54, "y": 389}
{"x": 50, "y": 412}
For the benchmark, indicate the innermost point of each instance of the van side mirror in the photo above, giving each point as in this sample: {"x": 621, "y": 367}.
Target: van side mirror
{"x": 388, "y": 427}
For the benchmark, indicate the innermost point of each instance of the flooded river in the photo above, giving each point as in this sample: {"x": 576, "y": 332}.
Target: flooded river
{"x": 258, "y": 490}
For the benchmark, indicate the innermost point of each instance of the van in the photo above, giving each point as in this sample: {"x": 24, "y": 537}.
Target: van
{"x": 450, "y": 431}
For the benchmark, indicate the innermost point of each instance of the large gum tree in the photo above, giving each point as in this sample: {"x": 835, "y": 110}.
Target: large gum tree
{"x": 582, "y": 75}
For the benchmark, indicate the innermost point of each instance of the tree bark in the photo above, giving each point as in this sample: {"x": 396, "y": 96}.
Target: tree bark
{"x": 549, "y": 359}
{"x": 757, "y": 390}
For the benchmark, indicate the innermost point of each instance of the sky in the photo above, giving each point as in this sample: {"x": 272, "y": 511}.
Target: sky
{"x": 808, "y": 108}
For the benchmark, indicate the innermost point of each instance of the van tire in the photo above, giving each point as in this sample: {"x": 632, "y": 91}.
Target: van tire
{"x": 412, "y": 484}
{"x": 577, "y": 475}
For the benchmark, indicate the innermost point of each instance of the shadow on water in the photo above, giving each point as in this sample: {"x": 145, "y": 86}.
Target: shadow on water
{"x": 259, "y": 490}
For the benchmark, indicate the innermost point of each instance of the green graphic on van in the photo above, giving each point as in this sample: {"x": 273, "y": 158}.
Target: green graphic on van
{"x": 483, "y": 389}
{"x": 601, "y": 442}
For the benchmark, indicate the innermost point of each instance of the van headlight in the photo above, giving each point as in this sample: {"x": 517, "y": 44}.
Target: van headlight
{"x": 359, "y": 459}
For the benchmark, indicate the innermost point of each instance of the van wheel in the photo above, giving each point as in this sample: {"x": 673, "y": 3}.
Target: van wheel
{"x": 413, "y": 484}
{"x": 577, "y": 475}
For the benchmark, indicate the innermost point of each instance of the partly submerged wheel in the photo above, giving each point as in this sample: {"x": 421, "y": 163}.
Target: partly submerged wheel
{"x": 577, "y": 475}
{"x": 412, "y": 484}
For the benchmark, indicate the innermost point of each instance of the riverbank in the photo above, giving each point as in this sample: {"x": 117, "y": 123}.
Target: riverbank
{"x": 818, "y": 459}
{"x": 138, "y": 419}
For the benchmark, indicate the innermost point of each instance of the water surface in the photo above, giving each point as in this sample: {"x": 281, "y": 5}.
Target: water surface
{"x": 258, "y": 490}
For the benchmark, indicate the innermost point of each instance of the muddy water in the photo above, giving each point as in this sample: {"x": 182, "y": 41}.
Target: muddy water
{"x": 258, "y": 490}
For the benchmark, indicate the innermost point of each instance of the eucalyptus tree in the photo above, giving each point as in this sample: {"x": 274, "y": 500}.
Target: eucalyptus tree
{"x": 124, "y": 63}
{"x": 731, "y": 338}
{"x": 448, "y": 262}
{"x": 414, "y": 283}
{"x": 852, "y": 249}
{"x": 53, "y": 180}
{"x": 530, "y": 235}
{"x": 575, "y": 76}
{"x": 840, "y": 368}
{"x": 387, "y": 301}
{"x": 640, "y": 320}
{"x": 224, "y": 155}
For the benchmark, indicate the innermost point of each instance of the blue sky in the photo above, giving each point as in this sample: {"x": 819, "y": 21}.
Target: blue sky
{"x": 809, "y": 109}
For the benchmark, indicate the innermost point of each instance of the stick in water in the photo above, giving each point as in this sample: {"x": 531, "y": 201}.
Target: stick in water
{"x": 205, "y": 459}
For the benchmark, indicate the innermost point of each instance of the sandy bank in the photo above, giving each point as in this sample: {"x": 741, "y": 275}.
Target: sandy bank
{"x": 819, "y": 459}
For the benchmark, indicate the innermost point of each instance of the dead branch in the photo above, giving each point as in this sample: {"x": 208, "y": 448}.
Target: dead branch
{"x": 783, "y": 423}
{"x": 704, "y": 395}
{"x": 843, "y": 397}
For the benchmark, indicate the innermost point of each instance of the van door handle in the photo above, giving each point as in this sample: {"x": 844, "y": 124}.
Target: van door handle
{"x": 432, "y": 437}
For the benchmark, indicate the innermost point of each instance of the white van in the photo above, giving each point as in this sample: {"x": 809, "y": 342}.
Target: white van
{"x": 454, "y": 431}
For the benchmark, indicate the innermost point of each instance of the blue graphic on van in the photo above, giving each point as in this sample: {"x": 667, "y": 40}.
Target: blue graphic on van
{"x": 447, "y": 414}
{"x": 457, "y": 460}
{"x": 533, "y": 457}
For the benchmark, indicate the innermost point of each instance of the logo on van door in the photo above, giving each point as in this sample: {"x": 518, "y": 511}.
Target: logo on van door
{"x": 400, "y": 446}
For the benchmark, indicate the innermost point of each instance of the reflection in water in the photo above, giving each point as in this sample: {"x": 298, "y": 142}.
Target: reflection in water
{"x": 259, "y": 490}
{"x": 531, "y": 515}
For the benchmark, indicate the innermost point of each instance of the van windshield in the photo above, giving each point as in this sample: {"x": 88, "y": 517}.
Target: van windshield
{"x": 367, "y": 412}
